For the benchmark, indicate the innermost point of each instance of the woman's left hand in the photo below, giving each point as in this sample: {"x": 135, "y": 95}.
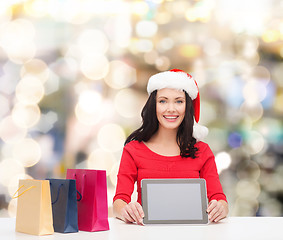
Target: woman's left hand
{"x": 217, "y": 210}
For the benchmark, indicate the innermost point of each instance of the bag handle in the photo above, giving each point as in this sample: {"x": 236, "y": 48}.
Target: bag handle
{"x": 83, "y": 184}
{"x": 58, "y": 192}
{"x": 14, "y": 197}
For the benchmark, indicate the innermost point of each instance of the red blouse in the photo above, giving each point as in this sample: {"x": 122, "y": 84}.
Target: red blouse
{"x": 139, "y": 162}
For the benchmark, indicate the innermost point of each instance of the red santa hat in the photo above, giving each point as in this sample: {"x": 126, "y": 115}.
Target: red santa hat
{"x": 178, "y": 79}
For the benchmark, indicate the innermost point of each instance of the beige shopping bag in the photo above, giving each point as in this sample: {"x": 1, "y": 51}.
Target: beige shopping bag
{"x": 34, "y": 209}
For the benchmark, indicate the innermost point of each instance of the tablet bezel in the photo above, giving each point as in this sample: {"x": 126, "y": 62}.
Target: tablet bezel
{"x": 201, "y": 182}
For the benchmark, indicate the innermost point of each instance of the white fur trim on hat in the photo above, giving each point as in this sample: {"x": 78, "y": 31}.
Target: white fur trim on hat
{"x": 199, "y": 131}
{"x": 175, "y": 80}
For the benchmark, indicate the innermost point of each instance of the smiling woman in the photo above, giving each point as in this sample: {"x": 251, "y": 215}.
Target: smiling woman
{"x": 168, "y": 145}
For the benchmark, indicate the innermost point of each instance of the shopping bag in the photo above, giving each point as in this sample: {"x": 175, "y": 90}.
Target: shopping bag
{"x": 34, "y": 211}
{"x": 64, "y": 205}
{"x": 93, "y": 206}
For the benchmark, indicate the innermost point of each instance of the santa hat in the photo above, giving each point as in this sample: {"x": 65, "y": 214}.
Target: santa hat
{"x": 178, "y": 79}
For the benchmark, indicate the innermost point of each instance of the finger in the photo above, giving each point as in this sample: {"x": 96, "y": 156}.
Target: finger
{"x": 131, "y": 212}
{"x": 138, "y": 212}
{"x": 211, "y": 205}
{"x": 126, "y": 216}
{"x": 219, "y": 210}
{"x": 221, "y": 216}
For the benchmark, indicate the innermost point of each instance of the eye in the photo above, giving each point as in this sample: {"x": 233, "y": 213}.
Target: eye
{"x": 162, "y": 101}
{"x": 180, "y": 101}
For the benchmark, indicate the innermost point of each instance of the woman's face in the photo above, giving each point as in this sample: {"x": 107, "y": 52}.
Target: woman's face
{"x": 170, "y": 107}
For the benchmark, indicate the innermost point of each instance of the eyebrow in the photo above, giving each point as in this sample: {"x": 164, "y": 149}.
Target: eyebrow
{"x": 167, "y": 97}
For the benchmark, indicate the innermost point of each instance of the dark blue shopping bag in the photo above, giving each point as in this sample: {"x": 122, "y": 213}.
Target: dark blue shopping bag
{"x": 64, "y": 205}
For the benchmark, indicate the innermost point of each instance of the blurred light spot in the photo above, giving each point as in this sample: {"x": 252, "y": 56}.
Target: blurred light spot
{"x": 150, "y": 57}
{"x": 220, "y": 135}
{"x": 52, "y": 84}
{"x": 37, "y": 68}
{"x": 18, "y": 51}
{"x": 271, "y": 36}
{"x": 248, "y": 189}
{"x": 93, "y": 41}
{"x": 235, "y": 140}
{"x": 165, "y": 44}
{"x": 245, "y": 207}
{"x": 89, "y": 109}
{"x": 146, "y": 28}
{"x": 277, "y": 73}
{"x": 25, "y": 116}
{"x": 278, "y": 103}
{"x": 10, "y": 132}
{"x": 254, "y": 111}
{"x": 126, "y": 103}
{"x": 120, "y": 75}
{"x": 12, "y": 208}
{"x": 8, "y": 169}
{"x": 271, "y": 129}
{"x": 5, "y": 13}
{"x": 162, "y": 63}
{"x": 14, "y": 182}
{"x": 189, "y": 51}
{"x": 143, "y": 45}
{"x": 249, "y": 170}
{"x": 38, "y": 8}
{"x": 163, "y": 17}
{"x": 111, "y": 137}
{"x": 210, "y": 113}
{"x": 29, "y": 90}
{"x": 27, "y": 152}
{"x": 255, "y": 142}
{"x": 102, "y": 160}
{"x": 114, "y": 173}
{"x": 223, "y": 161}
{"x": 119, "y": 30}
{"x": 139, "y": 8}
{"x": 254, "y": 91}
{"x": 212, "y": 47}
{"x": 94, "y": 67}
{"x": 4, "y": 106}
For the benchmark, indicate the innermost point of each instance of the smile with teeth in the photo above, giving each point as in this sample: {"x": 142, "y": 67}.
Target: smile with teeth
{"x": 170, "y": 117}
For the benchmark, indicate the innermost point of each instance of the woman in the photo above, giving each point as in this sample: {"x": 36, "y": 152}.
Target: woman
{"x": 168, "y": 145}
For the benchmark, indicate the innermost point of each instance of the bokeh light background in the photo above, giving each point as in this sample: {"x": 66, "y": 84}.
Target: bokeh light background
{"x": 73, "y": 77}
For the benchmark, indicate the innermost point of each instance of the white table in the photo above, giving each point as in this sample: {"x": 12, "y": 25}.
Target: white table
{"x": 235, "y": 228}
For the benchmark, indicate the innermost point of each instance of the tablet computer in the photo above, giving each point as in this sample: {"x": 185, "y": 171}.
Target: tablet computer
{"x": 178, "y": 201}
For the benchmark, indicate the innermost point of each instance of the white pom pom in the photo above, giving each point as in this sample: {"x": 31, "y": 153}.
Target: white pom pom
{"x": 199, "y": 131}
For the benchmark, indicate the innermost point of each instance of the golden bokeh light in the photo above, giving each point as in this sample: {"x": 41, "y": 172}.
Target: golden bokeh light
{"x": 38, "y": 8}
{"x": 9, "y": 168}
{"x": 11, "y": 132}
{"x": 120, "y": 75}
{"x": 126, "y": 103}
{"x": 27, "y": 152}
{"x": 93, "y": 41}
{"x": 36, "y": 68}
{"x": 146, "y": 28}
{"x": 29, "y": 90}
{"x": 26, "y": 116}
{"x": 101, "y": 160}
{"x": 111, "y": 137}
{"x": 18, "y": 51}
{"x": 89, "y": 109}
{"x": 94, "y": 67}
{"x": 253, "y": 110}
{"x": 12, "y": 208}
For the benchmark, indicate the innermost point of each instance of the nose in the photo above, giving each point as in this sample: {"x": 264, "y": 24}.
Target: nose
{"x": 171, "y": 107}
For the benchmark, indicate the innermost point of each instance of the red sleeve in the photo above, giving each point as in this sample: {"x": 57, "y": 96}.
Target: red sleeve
{"x": 127, "y": 176}
{"x": 210, "y": 174}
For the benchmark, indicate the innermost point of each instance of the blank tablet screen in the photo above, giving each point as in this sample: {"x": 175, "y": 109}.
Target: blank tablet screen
{"x": 174, "y": 200}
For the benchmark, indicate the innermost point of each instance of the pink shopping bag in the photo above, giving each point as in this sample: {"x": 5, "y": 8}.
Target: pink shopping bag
{"x": 93, "y": 206}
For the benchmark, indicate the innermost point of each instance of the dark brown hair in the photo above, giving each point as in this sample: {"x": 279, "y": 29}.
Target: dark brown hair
{"x": 150, "y": 124}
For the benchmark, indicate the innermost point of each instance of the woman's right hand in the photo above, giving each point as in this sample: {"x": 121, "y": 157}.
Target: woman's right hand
{"x": 132, "y": 212}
